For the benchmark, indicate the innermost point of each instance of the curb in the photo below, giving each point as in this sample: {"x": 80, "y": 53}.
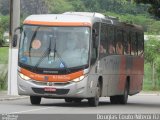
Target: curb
{"x": 13, "y": 98}
{"x": 148, "y": 94}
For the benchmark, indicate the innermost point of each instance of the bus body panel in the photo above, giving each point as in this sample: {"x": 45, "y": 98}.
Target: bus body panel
{"x": 115, "y": 69}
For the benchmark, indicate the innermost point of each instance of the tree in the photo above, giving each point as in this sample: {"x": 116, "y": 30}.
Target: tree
{"x": 34, "y": 6}
{"x": 59, "y": 6}
{"x": 4, "y": 7}
{"x": 155, "y": 6}
{"x": 152, "y": 50}
{"x": 4, "y": 23}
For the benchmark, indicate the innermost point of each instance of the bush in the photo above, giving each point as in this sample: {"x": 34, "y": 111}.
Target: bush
{"x": 3, "y": 81}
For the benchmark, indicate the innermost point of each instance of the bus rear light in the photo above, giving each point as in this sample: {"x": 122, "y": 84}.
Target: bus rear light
{"x": 24, "y": 76}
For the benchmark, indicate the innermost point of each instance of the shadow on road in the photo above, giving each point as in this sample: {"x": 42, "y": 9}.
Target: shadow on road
{"x": 144, "y": 105}
{"x": 73, "y": 104}
{"x": 84, "y": 104}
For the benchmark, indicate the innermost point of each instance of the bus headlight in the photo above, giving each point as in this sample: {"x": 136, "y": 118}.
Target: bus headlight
{"x": 78, "y": 79}
{"x": 24, "y": 76}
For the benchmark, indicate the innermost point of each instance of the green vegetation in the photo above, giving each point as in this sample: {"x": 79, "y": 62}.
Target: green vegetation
{"x": 3, "y": 69}
{"x": 3, "y": 81}
{"x": 154, "y": 9}
{"x": 4, "y": 55}
{"x": 4, "y": 26}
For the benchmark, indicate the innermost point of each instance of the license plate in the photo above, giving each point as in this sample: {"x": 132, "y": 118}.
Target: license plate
{"x": 48, "y": 89}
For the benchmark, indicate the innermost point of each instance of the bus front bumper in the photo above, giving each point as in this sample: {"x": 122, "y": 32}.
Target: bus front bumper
{"x": 53, "y": 90}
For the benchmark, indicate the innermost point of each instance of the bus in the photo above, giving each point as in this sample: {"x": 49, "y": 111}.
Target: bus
{"x": 79, "y": 55}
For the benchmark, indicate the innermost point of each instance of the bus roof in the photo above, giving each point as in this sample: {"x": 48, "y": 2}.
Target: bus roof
{"x": 65, "y": 19}
{"x": 75, "y": 19}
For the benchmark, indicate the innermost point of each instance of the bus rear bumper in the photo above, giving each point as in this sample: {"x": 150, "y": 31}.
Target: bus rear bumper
{"x": 56, "y": 90}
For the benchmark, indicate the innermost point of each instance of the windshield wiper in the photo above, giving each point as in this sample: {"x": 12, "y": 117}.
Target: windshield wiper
{"x": 58, "y": 55}
{"x": 47, "y": 52}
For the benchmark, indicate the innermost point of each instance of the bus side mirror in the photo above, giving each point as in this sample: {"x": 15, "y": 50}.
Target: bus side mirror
{"x": 15, "y": 37}
{"x": 14, "y": 41}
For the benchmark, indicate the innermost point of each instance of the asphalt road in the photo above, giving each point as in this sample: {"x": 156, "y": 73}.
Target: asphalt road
{"x": 136, "y": 104}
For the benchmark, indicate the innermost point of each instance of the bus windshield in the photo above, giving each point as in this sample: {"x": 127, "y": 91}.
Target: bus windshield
{"x": 54, "y": 47}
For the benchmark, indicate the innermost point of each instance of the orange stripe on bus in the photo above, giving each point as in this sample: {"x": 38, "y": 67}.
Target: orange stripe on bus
{"x": 51, "y": 78}
{"x": 57, "y": 23}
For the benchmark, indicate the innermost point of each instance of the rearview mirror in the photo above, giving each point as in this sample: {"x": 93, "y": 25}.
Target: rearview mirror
{"x": 14, "y": 40}
{"x": 15, "y": 37}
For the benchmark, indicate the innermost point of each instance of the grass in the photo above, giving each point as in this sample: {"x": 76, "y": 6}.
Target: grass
{"x": 4, "y": 55}
{"x": 147, "y": 82}
{"x": 3, "y": 74}
{"x": 3, "y": 81}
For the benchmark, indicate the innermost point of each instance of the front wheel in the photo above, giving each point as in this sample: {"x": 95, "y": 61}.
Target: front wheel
{"x": 68, "y": 100}
{"x": 77, "y": 100}
{"x": 35, "y": 100}
{"x": 95, "y": 100}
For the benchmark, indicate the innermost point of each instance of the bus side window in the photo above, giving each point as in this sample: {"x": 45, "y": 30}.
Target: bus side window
{"x": 126, "y": 43}
{"x": 140, "y": 44}
{"x": 111, "y": 41}
{"x": 119, "y": 42}
{"x": 103, "y": 41}
{"x": 133, "y": 44}
{"x": 95, "y": 42}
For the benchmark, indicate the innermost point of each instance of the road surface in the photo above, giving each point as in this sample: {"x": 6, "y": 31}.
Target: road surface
{"x": 136, "y": 104}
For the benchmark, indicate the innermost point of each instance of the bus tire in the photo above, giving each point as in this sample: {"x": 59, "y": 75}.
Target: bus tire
{"x": 35, "y": 100}
{"x": 68, "y": 100}
{"x": 114, "y": 99}
{"x": 77, "y": 100}
{"x": 124, "y": 98}
{"x": 95, "y": 100}
{"x": 121, "y": 99}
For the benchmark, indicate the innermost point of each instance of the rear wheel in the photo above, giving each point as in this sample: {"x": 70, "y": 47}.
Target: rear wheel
{"x": 124, "y": 97}
{"x": 95, "y": 100}
{"x": 35, "y": 100}
{"x": 121, "y": 99}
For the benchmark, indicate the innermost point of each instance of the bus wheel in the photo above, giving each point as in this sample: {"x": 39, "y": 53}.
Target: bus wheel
{"x": 95, "y": 100}
{"x": 77, "y": 100}
{"x": 35, "y": 100}
{"x": 120, "y": 99}
{"x": 68, "y": 100}
{"x": 124, "y": 98}
{"x": 114, "y": 99}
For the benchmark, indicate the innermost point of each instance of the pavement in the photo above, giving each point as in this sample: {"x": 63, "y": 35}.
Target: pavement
{"x": 4, "y": 96}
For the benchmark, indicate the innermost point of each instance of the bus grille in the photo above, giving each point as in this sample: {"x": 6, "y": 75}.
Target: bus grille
{"x": 58, "y": 91}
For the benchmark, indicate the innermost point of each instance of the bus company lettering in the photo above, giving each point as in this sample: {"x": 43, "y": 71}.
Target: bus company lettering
{"x": 64, "y": 77}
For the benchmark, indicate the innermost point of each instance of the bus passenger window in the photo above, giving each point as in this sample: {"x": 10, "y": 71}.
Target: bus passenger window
{"x": 119, "y": 43}
{"x": 103, "y": 41}
{"x": 95, "y": 42}
{"x": 110, "y": 41}
{"x": 140, "y": 44}
{"x": 126, "y": 44}
{"x": 133, "y": 44}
